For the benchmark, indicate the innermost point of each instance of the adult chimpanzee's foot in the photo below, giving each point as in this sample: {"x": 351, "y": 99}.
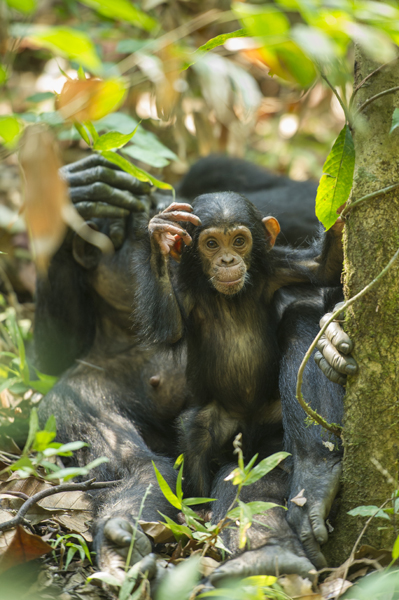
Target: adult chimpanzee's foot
{"x": 269, "y": 560}
{"x": 112, "y": 544}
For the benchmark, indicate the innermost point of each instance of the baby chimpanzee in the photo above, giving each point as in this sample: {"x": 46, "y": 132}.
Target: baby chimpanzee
{"x": 220, "y": 300}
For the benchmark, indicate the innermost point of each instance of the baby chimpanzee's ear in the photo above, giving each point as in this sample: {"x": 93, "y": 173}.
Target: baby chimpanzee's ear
{"x": 177, "y": 248}
{"x": 272, "y": 229}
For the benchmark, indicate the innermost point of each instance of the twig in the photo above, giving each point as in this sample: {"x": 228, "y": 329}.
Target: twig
{"x": 333, "y": 427}
{"x": 361, "y": 84}
{"x": 63, "y": 487}
{"x": 376, "y": 97}
{"x": 369, "y": 197}
{"x": 344, "y": 108}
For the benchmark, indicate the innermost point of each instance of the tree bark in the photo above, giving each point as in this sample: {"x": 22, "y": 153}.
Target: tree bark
{"x": 371, "y": 425}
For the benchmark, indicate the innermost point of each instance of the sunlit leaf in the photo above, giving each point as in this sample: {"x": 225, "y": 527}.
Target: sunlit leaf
{"x": 219, "y": 40}
{"x": 368, "y": 511}
{"x": 265, "y": 465}
{"x": 146, "y": 156}
{"x": 64, "y": 449}
{"x": 24, "y": 6}
{"x": 177, "y": 530}
{"x": 256, "y": 508}
{"x": 113, "y": 140}
{"x": 395, "y": 549}
{"x": 140, "y": 174}
{"x": 260, "y": 580}
{"x": 69, "y": 42}
{"x": 91, "y": 99}
{"x": 33, "y": 429}
{"x": 261, "y": 21}
{"x": 122, "y": 10}
{"x": 395, "y": 120}
{"x": 106, "y": 578}
{"x": 336, "y": 182}
{"x": 10, "y": 129}
{"x": 42, "y": 440}
{"x": 3, "y": 75}
{"x": 82, "y": 132}
{"x": 194, "y": 501}
{"x": 165, "y": 489}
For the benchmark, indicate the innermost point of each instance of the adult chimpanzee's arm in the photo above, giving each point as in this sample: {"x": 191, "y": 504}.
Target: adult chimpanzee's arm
{"x": 158, "y": 310}
{"x": 316, "y": 454}
{"x": 320, "y": 264}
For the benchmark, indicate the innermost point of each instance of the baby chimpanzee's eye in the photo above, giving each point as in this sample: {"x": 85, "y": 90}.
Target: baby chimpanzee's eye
{"x": 239, "y": 241}
{"x": 212, "y": 244}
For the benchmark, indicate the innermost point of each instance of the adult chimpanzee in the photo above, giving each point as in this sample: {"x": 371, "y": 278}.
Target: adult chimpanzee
{"x": 222, "y": 306}
{"x": 121, "y": 398}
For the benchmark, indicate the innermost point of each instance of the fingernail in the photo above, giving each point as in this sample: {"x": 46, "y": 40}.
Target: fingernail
{"x": 351, "y": 369}
{"x": 344, "y": 347}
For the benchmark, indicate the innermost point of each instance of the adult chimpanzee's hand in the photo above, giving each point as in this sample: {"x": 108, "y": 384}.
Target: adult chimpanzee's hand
{"x": 334, "y": 348}
{"x": 165, "y": 231}
{"x": 100, "y": 189}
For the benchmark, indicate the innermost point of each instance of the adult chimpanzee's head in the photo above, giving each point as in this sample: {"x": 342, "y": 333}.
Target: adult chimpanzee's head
{"x": 231, "y": 241}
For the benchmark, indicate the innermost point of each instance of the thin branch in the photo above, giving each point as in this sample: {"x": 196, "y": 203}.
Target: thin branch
{"x": 333, "y": 427}
{"x": 344, "y": 108}
{"x": 391, "y": 90}
{"x": 369, "y": 197}
{"x": 63, "y": 487}
{"x": 361, "y": 84}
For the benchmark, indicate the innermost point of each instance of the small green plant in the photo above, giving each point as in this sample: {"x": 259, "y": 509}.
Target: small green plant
{"x": 40, "y": 448}
{"x": 15, "y": 371}
{"x": 65, "y": 542}
{"x": 243, "y": 514}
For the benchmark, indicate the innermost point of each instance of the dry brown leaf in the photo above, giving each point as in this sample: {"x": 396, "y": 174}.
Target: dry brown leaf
{"x": 334, "y": 589}
{"x": 90, "y": 99}
{"x": 72, "y": 510}
{"x": 23, "y": 547}
{"x": 48, "y": 208}
{"x": 299, "y": 499}
{"x": 295, "y": 586}
{"x": 158, "y": 531}
{"x": 207, "y": 565}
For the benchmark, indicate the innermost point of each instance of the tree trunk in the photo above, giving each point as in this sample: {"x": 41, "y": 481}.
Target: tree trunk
{"x": 371, "y": 426}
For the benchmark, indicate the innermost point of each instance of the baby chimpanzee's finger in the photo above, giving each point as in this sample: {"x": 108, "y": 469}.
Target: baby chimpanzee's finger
{"x": 178, "y": 206}
{"x": 180, "y": 216}
{"x": 160, "y": 228}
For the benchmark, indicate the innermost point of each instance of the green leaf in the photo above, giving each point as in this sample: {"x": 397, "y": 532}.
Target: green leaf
{"x": 63, "y": 449}
{"x": 44, "y": 383}
{"x": 179, "y": 489}
{"x": 219, "y": 40}
{"x": 22, "y": 462}
{"x": 122, "y": 10}
{"x": 147, "y": 156}
{"x": 395, "y": 120}
{"x": 3, "y": 75}
{"x": 336, "y": 182}
{"x": 82, "y": 132}
{"x": 368, "y": 511}
{"x": 251, "y": 463}
{"x": 10, "y": 128}
{"x": 262, "y": 21}
{"x": 256, "y": 508}
{"x": 51, "y": 424}
{"x": 395, "y": 549}
{"x": 265, "y": 465}
{"x": 131, "y": 46}
{"x": 165, "y": 489}
{"x": 260, "y": 580}
{"x": 140, "y": 174}
{"x": 180, "y": 581}
{"x": 69, "y": 42}
{"x": 191, "y": 501}
{"x": 24, "y": 6}
{"x": 33, "y": 429}
{"x": 92, "y": 130}
{"x": 316, "y": 44}
{"x": 113, "y": 140}
{"x": 177, "y": 530}
{"x": 94, "y": 463}
{"x": 42, "y": 440}
{"x": 81, "y": 73}
{"x": 40, "y": 97}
